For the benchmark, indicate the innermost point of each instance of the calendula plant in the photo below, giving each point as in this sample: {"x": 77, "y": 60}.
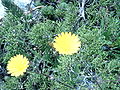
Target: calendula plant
{"x": 66, "y": 46}
{"x": 17, "y": 65}
{"x": 67, "y": 43}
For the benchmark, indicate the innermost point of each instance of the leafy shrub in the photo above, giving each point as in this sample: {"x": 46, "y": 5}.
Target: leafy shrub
{"x": 95, "y": 66}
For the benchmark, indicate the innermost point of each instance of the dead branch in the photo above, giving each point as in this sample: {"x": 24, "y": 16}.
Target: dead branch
{"x": 33, "y": 9}
{"x": 81, "y": 9}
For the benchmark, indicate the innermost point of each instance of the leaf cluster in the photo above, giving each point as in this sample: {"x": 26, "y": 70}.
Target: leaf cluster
{"x": 95, "y": 66}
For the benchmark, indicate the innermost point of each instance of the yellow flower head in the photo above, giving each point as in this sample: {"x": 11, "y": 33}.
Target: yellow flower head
{"x": 66, "y": 43}
{"x": 17, "y": 65}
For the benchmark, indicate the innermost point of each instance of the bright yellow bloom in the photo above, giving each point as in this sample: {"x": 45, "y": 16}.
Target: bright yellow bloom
{"x": 17, "y": 65}
{"x": 66, "y": 43}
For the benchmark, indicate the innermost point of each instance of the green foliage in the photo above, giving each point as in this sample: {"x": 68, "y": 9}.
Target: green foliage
{"x": 12, "y": 7}
{"x": 48, "y": 11}
{"x": 61, "y": 10}
{"x": 95, "y": 66}
{"x": 42, "y": 33}
{"x": 37, "y": 81}
{"x": 14, "y": 37}
{"x": 11, "y": 83}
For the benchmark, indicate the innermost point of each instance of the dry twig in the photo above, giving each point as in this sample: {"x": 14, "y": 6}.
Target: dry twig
{"x": 31, "y": 10}
{"x": 81, "y": 9}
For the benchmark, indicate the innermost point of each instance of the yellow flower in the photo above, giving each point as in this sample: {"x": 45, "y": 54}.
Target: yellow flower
{"x": 66, "y": 43}
{"x": 17, "y": 65}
